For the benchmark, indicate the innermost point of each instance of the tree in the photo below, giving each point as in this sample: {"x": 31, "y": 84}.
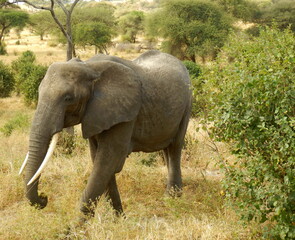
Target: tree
{"x": 96, "y": 34}
{"x": 131, "y": 24}
{"x": 41, "y": 23}
{"x": 95, "y": 12}
{"x": 10, "y": 18}
{"x": 245, "y": 10}
{"x": 67, "y": 7}
{"x": 280, "y": 11}
{"x": 94, "y": 25}
{"x": 190, "y": 28}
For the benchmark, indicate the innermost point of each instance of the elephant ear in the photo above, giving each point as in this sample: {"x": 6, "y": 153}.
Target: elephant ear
{"x": 116, "y": 98}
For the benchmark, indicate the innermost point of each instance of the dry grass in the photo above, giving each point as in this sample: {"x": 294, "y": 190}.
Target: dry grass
{"x": 199, "y": 214}
{"x": 44, "y": 52}
{"x": 48, "y": 51}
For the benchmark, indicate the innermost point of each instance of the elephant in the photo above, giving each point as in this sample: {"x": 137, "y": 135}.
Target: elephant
{"x": 123, "y": 106}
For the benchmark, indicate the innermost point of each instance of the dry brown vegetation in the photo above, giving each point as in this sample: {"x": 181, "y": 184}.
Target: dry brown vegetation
{"x": 199, "y": 214}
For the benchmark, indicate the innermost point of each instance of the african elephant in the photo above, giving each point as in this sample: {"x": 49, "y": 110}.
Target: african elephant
{"x": 123, "y": 106}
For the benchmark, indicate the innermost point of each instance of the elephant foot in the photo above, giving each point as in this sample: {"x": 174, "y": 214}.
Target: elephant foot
{"x": 88, "y": 209}
{"x": 120, "y": 213}
{"x": 174, "y": 191}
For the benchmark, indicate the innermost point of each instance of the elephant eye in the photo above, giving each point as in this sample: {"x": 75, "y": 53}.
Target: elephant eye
{"x": 68, "y": 99}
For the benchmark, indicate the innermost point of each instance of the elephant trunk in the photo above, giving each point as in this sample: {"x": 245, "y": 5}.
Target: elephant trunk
{"x": 37, "y": 150}
{"x": 48, "y": 120}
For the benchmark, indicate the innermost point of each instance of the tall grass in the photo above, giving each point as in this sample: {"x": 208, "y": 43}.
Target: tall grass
{"x": 199, "y": 214}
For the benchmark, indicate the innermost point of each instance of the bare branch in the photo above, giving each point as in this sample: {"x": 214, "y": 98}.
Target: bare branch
{"x": 4, "y": 4}
{"x": 73, "y": 5}
{"x": 65, "y": 10}
{"x": 63, "y": 30}
{"x": 66, "y": 30}
{"x": 29, "y": 3}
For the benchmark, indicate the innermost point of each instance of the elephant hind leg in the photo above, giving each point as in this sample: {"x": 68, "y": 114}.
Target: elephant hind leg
{"x": 173, "y": 156}
{"x": 174, "y": 182}
{"x": 113, "y": 195}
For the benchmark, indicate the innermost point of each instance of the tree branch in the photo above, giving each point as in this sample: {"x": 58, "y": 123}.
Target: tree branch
{"x": 65, "y": 10}
{"x": 27, "y": 2}
{"x": 73, "y": 5}
{"x": 63, "y": 30}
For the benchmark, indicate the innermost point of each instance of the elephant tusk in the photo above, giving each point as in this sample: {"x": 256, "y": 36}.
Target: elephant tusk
{"x": 46, "y": 159}
{"x": 24, "y": 164}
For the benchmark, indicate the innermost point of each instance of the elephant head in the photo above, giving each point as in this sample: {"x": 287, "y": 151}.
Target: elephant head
{"x": 98, "y": 94}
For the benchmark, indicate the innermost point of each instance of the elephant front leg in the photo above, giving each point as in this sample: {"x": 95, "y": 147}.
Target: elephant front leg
{"x": 113, "y": 195}
{"x": 96, "y": 186}
{"x": 112, "y": 147}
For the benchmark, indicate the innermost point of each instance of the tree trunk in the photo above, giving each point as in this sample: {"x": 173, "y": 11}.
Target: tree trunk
{"x": 2, "y": 35}
{"x": 69, "y": 50}
{"x": 74, "y": 51}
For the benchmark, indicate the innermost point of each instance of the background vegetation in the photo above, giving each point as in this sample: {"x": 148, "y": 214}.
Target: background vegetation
{"x": 238, "y": 163}
{"x": 252, "y": 107}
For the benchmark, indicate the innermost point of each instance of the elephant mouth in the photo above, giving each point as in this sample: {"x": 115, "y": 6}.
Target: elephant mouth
{"x": 73, "y": 115}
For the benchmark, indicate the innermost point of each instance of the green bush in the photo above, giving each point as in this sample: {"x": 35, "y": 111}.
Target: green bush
{"x": 252, "y": 88}
{"x": 6, "y": 80}
{"x": 20, "y": 121}
{"x": 193, "y": 69}
{"x": 149, "y": 160}
{"x": 3, "y": 49}
{"x": 30, "y": 88}
{"x": 21, "y": 68}
{"x": 198, "y": 94}
{"x": 28, "y": 76}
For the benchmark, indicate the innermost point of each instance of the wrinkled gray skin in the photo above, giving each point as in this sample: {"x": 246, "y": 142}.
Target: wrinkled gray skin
{"x": 123, "y": 107}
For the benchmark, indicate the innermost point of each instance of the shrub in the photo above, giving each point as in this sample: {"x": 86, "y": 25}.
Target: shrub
{"x": 18, "y": 122}
{"x": 125, "y": 38}
{"x": 193, "y": 69}
{"x": 253, "y": 108}
{"x": 21, "y": 68}
{"x": 3, "y": 49}
{"x": 31, "y": 84}
{"x": 6, "y": 80}
{"x": 198, "y": 94}
{"x": 149, "y": 160}
{"x": 28, "y": 76}
{"x": 71, "y": 144}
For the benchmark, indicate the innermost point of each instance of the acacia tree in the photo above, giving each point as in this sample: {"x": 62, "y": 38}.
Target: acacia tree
{"x": 190, "y": 28}
{"x": 10, "y": 18}
{"x": 94, "y": 25}
{"x": 95, "y": 34}
{"x": 49, "y": 5}
{"x": 40, "y": 23}
{"x": 130, "y": 24}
